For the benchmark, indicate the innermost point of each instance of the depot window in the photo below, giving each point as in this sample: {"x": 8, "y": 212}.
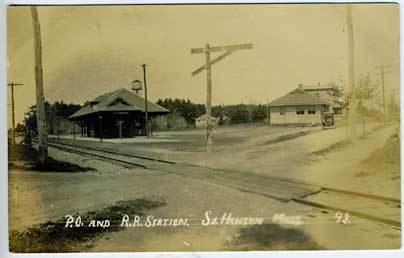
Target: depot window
{"x": 299, "y": 111}
{"x": 282, "y": 111}
{"x": 311, "y": 110}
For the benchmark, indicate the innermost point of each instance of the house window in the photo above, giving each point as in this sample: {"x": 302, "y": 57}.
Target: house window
{"x": 299, "y": 111}
{"x": 282, "y": 111}
{"x": 311, "y": 110}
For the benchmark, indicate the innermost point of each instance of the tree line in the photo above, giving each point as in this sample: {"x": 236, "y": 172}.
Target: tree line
{"x": 234, "y": 114}
{"x": 183, "y": 114}
{"x": 56, "y": 117}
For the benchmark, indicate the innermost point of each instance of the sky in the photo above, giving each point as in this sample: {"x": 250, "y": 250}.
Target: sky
{"x": 88, "y": 51}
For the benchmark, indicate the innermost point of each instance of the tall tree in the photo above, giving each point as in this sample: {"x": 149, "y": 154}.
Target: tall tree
{"x": 352, "y": 117}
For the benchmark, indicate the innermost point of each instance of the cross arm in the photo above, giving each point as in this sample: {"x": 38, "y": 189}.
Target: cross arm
{"x": 222, "y": 48}
{"x": 214, "y": 61}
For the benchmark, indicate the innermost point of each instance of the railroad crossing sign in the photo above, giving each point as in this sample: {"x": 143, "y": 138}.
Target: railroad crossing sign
{"x": 207, "y": 50}
{"x": 223, "y": 48}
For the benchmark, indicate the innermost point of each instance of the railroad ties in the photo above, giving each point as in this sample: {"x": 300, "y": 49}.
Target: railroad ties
{"x": 372, "y": 207}
{"x": 279, "y": 189}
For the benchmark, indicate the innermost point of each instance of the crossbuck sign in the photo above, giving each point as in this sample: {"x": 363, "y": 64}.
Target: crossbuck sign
{"x": 207, "y": 50}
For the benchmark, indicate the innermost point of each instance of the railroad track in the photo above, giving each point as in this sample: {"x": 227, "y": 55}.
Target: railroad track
{"x": 372, "y": 207}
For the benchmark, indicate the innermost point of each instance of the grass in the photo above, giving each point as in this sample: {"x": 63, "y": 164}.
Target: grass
{"x": 53, "y": 236}
{"x": 338, "y": 146}
{"x": 271, "y": 237}
{"x": 194, "y": 141}
{"x": 384, "y": 160}
{"x": 25, "y": 157}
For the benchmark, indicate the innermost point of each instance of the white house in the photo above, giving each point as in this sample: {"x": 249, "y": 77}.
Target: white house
{"x": 298, "y": 107}
{"x": 201, "y": 121}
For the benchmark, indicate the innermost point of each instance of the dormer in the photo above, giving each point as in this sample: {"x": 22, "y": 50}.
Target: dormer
{"x": 93, "y": 103}
{"x": 118, "y": 100}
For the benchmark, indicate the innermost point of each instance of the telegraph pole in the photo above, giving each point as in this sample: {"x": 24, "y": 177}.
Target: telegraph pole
{"x": 383, "y": 71}
{"x": 40, "y": 99}
{"x": 267, "y": 114}
{"x": 145, "y": 101}
{"x": 267, "y": 111}
{"x": 11, "y": 85}
{"x": 208, "y": 101}
{"x": 351, "y": 75}
{"x": 208, "y": 67}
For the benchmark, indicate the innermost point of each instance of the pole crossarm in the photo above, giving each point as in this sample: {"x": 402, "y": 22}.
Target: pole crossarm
{"x": 208, "y": 67}
{"x": 221, "y": 48}
{"x": 14, "y": 84}
{"x": 214, "y": 61}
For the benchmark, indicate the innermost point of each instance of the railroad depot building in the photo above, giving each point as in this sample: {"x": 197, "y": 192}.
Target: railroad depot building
{"x": 298, "y": 107}
{"x": 117, "y": 114}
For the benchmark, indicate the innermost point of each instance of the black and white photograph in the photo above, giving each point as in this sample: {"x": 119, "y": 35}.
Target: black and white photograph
{"x": 203, "y": 127}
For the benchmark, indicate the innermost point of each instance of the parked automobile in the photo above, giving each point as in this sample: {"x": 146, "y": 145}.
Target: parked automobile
{"x": 327, "y": 120}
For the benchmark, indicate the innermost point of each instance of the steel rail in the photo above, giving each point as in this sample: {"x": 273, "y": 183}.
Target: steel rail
{"x": 301, "y": 200}
{"x": 96, "y": 155}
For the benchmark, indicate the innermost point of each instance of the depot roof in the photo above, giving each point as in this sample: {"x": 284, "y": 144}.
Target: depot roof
{"x": 299, "y": 97}
{"x": 119, "y": 100}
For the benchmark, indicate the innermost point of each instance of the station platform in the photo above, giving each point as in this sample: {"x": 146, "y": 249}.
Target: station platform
{"x": 138, "y": 139}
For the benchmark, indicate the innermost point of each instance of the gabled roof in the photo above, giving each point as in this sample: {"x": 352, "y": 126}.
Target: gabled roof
{"x": 101, "y": 97}
{"x": 119, "y": 100}
{"x": 204, "y": 117}
{"x": 299, "y": 97}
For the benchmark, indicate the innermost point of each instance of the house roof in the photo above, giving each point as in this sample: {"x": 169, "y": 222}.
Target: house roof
{"x": 299, "y": 97}
{"x": 119, "y": 100}
{"x": 204, "y": 117}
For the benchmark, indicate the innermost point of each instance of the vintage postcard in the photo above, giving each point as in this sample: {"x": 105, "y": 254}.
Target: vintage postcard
{"x": 225, "y": 127}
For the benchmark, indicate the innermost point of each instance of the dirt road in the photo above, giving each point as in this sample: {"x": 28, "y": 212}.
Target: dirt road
{"x": 39, "y": 197}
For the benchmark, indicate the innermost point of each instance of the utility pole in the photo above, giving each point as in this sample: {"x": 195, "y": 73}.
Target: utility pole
{"x": 267, "y": 112}
{"x": 393, "y": 101}
{"x": 383, "y": 71}
{"x": 207, "y": 50}
{"x": 208, "y": 101}
{"x": 351, "y": 75}
{"x": 11, "y": 85}
{"x": 40, "y": 99}
{"x": 145, "y": 101}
